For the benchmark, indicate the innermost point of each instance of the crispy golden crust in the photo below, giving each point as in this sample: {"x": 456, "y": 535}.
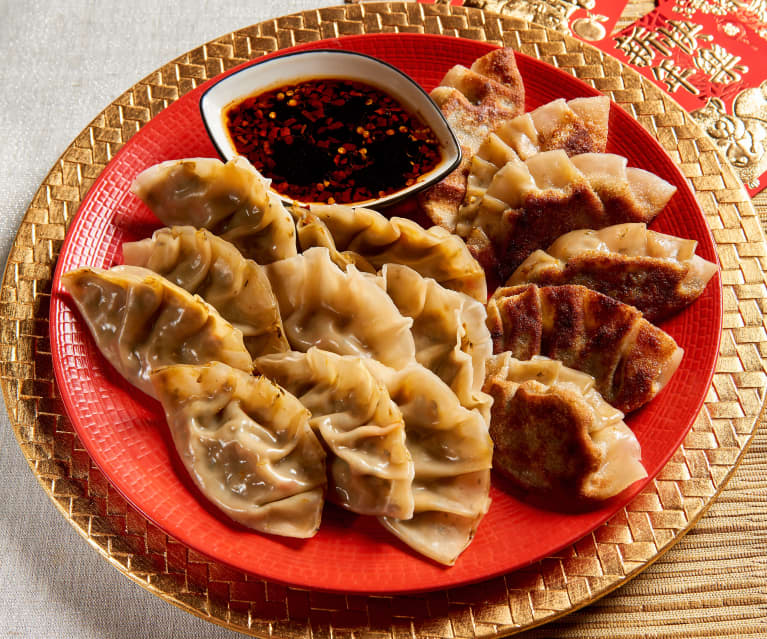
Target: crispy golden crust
{"x": 654, "y": 286}
{"x": 501, "y": 66}
{"x": 474, "y": 101}
{"x": 503, "y": 87}
{"x": 515, "y": 321}
{"x": 575, "y": 137}
{"x": 542, "y": 219}
{"x": 621, "y": 206}
{"x": 541, "y": 439}
{"x": 630, "y": 358}
{"x": 442, "y": 201}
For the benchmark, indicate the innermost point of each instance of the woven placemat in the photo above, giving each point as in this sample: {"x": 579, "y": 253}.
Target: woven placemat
{"x": 578, "y": 575}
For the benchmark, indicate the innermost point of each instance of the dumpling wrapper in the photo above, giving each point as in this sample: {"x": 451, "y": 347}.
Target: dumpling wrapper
{"x": 575, "y": 127}
{"x": 474, "y": 101}
{"x": 450, "y": 333}
{"x": 365, "y": 237}
{"x": 344, "y": 312}
{"x": 141, "y": 322}
{"x": 630, "y": 359}
{"x": 555, "y": 438}
{"x": 371, "y": 470}
{"x": 247, "y": 445}
{"x": 204, "y": 264}
{"x": 530, "y": 204}
{"x": 232, "y": 200}
{"x": 452, "y": 452}
{"x": 312, "y": 231}
{"x": 658, "y": 274}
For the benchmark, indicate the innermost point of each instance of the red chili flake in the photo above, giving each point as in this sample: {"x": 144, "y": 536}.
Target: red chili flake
{"x": 332, "y": 140}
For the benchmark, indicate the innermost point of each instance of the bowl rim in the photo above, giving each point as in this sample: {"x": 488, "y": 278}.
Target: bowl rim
{"x": 452, "y": 149}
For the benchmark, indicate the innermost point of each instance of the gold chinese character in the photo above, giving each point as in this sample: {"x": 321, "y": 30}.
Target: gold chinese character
{"x": 636, "y": 47}
{"x": 678, "y": 33}
{"x": 720, "y": 65}
{"x": 673, "y": 76}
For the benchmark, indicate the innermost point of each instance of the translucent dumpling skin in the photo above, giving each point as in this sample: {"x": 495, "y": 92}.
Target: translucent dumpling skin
{"x": 204, "y": 264}
{"x": 231, "y": 200}
{"x": 141, "y": 322}
{"x": 371, "y": 470}
{"x": 452, "y": 452}
{"x": 247, "y": 445}
{"x": 450, "y": 332}
{"x": 344, "y": 312}
{"x": 366, "y": 238}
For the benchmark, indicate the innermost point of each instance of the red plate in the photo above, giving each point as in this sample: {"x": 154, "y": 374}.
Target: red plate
{"x": 125, "y": 432}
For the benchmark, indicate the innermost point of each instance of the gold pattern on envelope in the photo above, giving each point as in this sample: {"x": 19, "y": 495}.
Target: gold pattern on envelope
{"x": 552, "y": 15}
{"x": 577, "y": 575}
{"x": 742, "y": 134}
{"x": 755, "y": 8}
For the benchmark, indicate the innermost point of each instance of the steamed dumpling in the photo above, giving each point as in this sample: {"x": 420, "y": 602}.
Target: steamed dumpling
{"x": 370, "y": 467}
{"x": 344, "y": 312}
{"x": 452, "y": 452}
{"x": 366, "y": 237}
{"x": 450, "y": 332}
{"x": 554, "y": 435}
{"x": 474, "y": 101}
{"x": 630, "y": 359}
{"x": 530, "y": 204}
{"x": 658, "y": 274}
{"x": 232, "y": 200}
{"x": 204, "y": 264}
{"x": 247, "y": 445}
{"x": 141, "y": 322}
{"x": 312, "y": 231}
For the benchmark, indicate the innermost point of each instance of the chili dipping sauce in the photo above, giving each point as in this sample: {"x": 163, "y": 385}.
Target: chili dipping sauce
{"x": 332, "y": 140}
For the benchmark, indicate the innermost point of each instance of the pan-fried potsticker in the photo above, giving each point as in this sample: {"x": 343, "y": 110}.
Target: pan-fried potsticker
{"x": 529, "y": 204}
{"x": 657, "y": 273}
{"x": 474, "y": 101}
{"x": 630, "y": 359}
{"x": 555, "y": 438}
{"x": 575, "y": 127}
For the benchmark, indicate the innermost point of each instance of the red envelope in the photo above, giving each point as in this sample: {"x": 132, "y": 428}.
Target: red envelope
{"x": 712, "y": 64}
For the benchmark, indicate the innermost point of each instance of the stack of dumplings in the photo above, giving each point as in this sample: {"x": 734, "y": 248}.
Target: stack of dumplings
{"x": 349, "y": 234}
{"x": 305, "y": 355}
{"x": 474, "y": 101}
{"x": 560, "y": 227}
{"x": 350, "y": 372}
{"x": 630, "y": 359}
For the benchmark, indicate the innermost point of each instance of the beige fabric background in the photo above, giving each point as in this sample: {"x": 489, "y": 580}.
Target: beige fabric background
{"x": 61, "y": 66}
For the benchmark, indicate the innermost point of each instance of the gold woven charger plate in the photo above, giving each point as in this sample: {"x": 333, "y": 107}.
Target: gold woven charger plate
{"x": 607, "y": 558}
